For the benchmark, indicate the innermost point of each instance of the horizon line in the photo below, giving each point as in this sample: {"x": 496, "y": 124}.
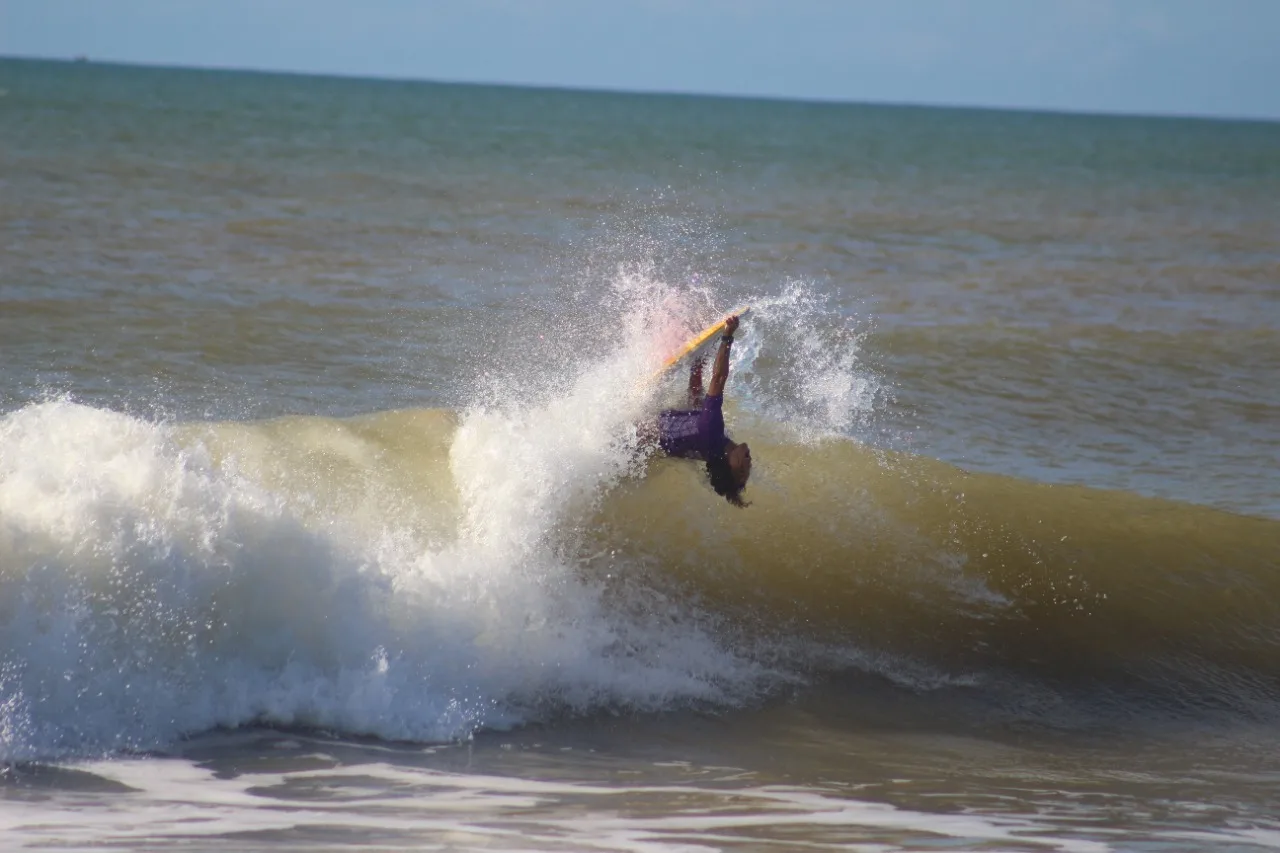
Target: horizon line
{"x": 84, "y": 59}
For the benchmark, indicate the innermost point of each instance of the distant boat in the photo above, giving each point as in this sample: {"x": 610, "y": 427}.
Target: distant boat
{"x": 82, "y": 58}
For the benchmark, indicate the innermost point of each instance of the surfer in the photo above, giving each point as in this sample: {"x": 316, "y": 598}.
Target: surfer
{"x": 698, "y": 432}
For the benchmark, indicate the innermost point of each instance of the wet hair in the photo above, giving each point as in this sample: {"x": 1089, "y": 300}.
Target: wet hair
{"x": 722, "y": 480}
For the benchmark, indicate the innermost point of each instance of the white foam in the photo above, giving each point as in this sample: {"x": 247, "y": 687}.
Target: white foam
{"x": 149, "y": 593}
{"x": 389, "y": 807}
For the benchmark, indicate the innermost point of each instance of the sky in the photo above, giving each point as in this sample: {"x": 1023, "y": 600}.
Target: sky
{"x": 1168, "y": 57}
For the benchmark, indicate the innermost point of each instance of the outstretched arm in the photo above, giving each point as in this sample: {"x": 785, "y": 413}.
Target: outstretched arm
{"x": 720, "y": 373}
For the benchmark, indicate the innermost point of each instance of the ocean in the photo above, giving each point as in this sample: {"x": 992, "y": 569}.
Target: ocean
{"x": 323, "y": 524}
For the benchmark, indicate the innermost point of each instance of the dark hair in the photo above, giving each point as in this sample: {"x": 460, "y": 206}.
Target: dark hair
{"x": 723, "y": 481}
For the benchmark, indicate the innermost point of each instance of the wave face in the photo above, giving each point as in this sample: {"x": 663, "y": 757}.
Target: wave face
{"x": 1029, "y": 593}
{"x": 422, "y": 574}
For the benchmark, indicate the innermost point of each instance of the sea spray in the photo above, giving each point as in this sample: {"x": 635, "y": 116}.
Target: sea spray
{"x": 817, "y": 384}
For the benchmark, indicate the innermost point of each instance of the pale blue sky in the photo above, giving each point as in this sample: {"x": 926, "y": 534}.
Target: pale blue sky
{"x": 1186, "y": 57}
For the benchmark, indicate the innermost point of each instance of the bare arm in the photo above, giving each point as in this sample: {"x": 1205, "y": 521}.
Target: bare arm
{"x": 720, "y": 372}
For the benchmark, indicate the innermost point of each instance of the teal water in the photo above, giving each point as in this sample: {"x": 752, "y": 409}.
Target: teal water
{"x": 315, "y": 489}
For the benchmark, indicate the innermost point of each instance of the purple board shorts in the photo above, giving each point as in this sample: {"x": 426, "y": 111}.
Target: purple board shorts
{"x": 696, "y": 434}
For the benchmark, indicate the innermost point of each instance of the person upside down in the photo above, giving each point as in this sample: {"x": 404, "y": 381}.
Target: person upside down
{"x": 698, "y": 432}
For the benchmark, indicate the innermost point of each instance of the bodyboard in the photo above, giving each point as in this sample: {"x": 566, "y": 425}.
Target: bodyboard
{"x": 692, "y": 347}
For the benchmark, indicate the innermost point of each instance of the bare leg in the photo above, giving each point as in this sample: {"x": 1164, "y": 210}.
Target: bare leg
{"x": 695, "y": 383}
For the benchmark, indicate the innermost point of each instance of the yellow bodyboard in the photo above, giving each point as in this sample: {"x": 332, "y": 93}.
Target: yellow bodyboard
{"x": 696, "y": 343}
